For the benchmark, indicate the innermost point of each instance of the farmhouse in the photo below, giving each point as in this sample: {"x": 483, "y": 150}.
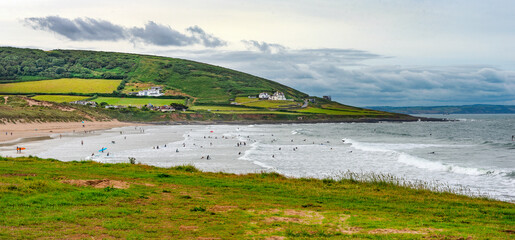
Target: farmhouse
{"x": 151, "y": 92}
{"x": 85, "y": 103}
{"x": 264, "y": 96}
{"x": 277, "y": 96}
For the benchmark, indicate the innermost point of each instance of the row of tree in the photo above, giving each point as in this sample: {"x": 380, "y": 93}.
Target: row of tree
{"x": 16, "y": 63}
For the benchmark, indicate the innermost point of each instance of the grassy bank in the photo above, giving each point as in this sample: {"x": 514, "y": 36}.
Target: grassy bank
{"x": 50, "y": 199}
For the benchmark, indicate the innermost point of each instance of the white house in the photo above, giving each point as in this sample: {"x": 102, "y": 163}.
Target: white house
{"x": 277, "y": 96}
{"x": 151, "y": 92}
{"x": 264, "y": 95}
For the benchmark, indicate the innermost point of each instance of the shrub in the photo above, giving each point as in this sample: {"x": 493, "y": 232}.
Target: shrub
{"x": 198, "y": 209}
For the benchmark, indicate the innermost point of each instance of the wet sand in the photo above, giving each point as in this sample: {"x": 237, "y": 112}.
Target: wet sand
{"x": 12, "y": 133}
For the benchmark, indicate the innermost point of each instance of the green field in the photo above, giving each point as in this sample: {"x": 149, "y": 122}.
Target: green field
{"x": 48, "y": 199}
{"x": 338, "y": 111}
{"x": 221, "y": 108}
{"x": 137, "y": 101}
{"x": 63, "y": 85}
{"x": 58, "y": 98}
{"x": 272, "y": 104}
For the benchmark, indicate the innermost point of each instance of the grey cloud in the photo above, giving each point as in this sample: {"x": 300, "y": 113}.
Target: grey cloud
{"x": 88, "y": 29}
{"x": 207, "y": 39}
{"x": 263, "y": 46}
{"x": 161, "y": 35}
{"x": 343, "y": 74}
{"x": 79, "y": 29}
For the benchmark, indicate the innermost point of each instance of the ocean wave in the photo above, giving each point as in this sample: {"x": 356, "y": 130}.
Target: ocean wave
{"x": 388, "y": 147}
{"x": 263, "y": 165}
{"x": 248, "y": 152}
{"x": 438, "y": 166}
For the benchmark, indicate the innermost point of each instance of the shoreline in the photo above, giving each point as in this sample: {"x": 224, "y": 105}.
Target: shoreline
{"x": 268, "y": 122}
{"x": 12, "y": 133}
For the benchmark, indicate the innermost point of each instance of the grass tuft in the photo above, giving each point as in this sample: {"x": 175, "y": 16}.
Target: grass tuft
{"x": 186, "y": 168}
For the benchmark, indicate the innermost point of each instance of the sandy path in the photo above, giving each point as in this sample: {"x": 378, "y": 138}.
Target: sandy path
{"x": 11, "y": 131}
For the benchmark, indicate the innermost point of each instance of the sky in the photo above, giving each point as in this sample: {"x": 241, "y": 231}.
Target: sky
{"x": 360, "y": 52}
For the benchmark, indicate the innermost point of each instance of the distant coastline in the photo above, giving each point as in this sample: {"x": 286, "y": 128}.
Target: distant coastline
{"x": 463, "y": 109}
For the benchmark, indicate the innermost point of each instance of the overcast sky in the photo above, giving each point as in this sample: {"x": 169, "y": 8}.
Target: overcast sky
{"x": 361, "y": 52}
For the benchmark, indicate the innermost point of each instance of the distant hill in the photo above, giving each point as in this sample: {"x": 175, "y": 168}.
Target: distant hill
{"x": 203, "y": 82}
{"x": 465, "y": 109}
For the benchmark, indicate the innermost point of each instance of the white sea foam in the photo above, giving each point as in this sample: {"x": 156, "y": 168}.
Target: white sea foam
{"x": 247, "y": 153}
{"x": 438, "y": 166}
{"x": 262, "y": 165}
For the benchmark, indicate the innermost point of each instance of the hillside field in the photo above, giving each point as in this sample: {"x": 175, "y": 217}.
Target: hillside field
{"x": 63, "y": 85}
{"x": 59, "y": 98}
{"x": 136, "y": 101}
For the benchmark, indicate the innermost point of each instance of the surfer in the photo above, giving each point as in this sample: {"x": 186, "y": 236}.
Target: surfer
{"x": 177, "y": 150}
{"x": 208, "y": 157}
{"x": 81, "y": 142}
{"x": 513, "y": 137}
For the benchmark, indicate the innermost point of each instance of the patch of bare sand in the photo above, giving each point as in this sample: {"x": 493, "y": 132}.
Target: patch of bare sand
{"x": 219, "y": 208}
{"x": 100, "y": 183}
{"x": 275, "y": 238}
{"x": 188, "y": 228}
{"x": 293, "y": 215}
{"x": 33, "y": 102}
{"x": 403, "y": 231}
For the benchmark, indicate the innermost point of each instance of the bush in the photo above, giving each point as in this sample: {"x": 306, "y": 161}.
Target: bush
{"x": 198, "y": 209}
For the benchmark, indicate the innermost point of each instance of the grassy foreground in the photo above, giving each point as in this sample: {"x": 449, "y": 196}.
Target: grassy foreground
{"x": 51, "y": 199}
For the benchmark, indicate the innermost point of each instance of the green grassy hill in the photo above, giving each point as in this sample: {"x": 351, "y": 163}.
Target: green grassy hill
{"x": 210, "y": 92}
{"x": 206, "y": 83}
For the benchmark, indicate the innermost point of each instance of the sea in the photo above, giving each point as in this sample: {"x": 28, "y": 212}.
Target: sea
{"x": 471, "y": 152}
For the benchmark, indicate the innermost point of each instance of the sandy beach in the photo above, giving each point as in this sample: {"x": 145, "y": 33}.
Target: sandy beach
{"x": 11, "y": 131}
